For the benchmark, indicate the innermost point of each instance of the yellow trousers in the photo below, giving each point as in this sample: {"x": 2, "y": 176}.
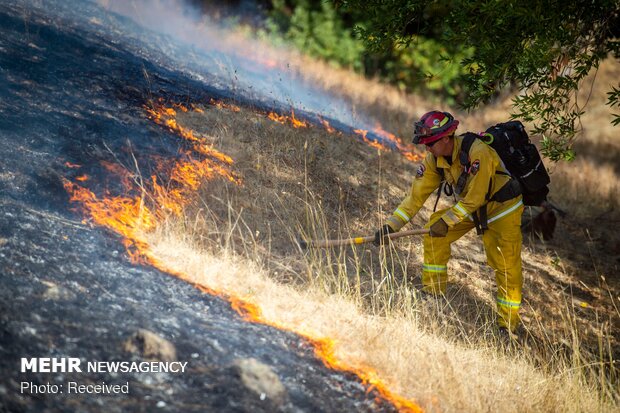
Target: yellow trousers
{"x": 502, "y": 243}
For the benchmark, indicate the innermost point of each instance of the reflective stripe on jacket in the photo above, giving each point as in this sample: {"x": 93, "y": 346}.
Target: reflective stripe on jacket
{"x": 484, "y": 163}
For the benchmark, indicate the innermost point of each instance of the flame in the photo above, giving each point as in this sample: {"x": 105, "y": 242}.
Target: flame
{"x": 118, "y": 171}
{"x": 124, "y": 215}
{"x": 186, "y": 175}
{"x": 407, "y": 150}
{"x": 81, "y": 178}
{"x": 296, "y": 123}
{"x": 276, "y": 118}
{"x": 132, "y": 216}
{"x": 145, "y": 204}
{"x": 374, "y": 144}
{"x": 180, "y": 107}
{"x": 72, "y": 165}
{"x": 221, "y": 105}
{"x": 167, "y": 117}
{"x": 324, "y": 349}
{"x": 327, "y": 126}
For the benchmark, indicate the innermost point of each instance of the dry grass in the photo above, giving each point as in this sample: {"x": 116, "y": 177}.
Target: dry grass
{"x": 439, "y": 373}
{"x": 443, "y": 353}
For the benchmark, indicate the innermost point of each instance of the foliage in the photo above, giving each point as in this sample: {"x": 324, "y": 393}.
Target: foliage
{"x": 319, "y": 29}
{"x": 613, "y": 99}
{"x": 545, "y": 48}
{"x": 428, "y": 66}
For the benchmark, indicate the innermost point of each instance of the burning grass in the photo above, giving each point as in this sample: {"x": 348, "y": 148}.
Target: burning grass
{"x": 146, "y": 204}
{"x": 236, "y": 238}
{"x": 443, "y": 354}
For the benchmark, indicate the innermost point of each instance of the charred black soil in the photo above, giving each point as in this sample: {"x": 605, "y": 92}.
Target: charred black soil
{"x": 73, "y": 95}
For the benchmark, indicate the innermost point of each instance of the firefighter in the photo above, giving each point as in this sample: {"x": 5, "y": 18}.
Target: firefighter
{"x": 477, "y": 187}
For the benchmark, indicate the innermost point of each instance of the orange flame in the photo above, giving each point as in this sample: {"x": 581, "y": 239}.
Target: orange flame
{"x": 118, "y": 171}
{"x": 324, "y": 350}
{"x": 134, "y": 216}
{"x": 180, "y": 107}
{"x": 72, "y": 165}
{"x": 407, "y": 150}
{"x": 222, "y": 105}
{"x": 277, "y": 118}
{"x": 124, "y": 215}
{"x": 291, "y": 119}
{"x": 374, "y": 144}
{"x": 327, "y": 126}
{"x": 166, "y": 116}
{"x": 296, "y": 122}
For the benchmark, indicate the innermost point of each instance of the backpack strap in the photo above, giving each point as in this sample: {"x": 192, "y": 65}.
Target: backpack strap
{"x": 511, "y": 189}
{"x": 468, "y": 140}
{"x": 441, "y": 184}
{"x": 447, "y": 188}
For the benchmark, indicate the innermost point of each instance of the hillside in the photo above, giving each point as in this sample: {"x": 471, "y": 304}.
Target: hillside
{"x": 322, "y": 184}
{"x": 158, "y": 170}
{"x": 78, "y": 279}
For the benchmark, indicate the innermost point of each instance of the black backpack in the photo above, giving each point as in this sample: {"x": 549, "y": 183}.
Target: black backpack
{"x": 520, "y": 157}
{"x": 522, "y": 160}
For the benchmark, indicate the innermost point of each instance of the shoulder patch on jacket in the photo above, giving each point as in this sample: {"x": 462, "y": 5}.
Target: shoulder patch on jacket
{"x": 475, "y": 166}
{"x": 420, "y": 172}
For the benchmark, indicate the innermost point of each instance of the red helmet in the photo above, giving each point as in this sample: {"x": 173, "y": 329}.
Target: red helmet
{"x": 433, "y": 126}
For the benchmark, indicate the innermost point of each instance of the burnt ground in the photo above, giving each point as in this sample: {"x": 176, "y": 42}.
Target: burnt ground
{"x": 72, "y": 91}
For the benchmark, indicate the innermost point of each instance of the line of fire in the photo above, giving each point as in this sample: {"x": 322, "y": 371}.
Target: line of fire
{"x": 143, "y": 202}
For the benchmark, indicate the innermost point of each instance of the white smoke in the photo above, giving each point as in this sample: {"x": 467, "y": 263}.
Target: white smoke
{"x": 225, "y": 58}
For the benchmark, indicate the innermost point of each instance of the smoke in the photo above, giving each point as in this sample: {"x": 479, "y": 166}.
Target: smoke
{"x": 225, "y": 58}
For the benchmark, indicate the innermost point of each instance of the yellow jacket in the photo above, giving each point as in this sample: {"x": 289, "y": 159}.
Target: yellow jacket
{"x": 484, "y": 163}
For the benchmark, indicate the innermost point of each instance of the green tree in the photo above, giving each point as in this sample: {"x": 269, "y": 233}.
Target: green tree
{"x": 316, "y": 29}
{"x": 545, "y": 48}
{"x": 319, "y": 29}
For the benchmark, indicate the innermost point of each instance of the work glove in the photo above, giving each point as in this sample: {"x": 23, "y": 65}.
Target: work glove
{"x": 381, "y": 236}
{"x": 439, "y": 229}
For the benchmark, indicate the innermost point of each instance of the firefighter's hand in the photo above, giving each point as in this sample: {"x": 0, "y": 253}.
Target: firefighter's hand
{"x": 381, "y": 236}
{"x": 439, "y": 229}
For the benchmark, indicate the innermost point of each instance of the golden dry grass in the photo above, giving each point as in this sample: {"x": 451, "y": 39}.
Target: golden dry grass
{"x": 438, "y": 373}
{"x": 443, "y": 353}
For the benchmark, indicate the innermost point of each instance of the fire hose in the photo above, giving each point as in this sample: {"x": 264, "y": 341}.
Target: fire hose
{"x": 305, "y": 244}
